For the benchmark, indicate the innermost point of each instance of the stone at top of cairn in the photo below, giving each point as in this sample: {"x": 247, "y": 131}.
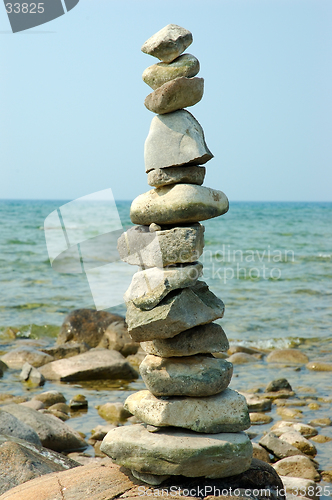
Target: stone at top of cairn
{"x": 168, "y": 43}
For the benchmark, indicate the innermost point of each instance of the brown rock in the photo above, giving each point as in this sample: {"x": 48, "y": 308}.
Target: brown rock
{"x": 176, "y": 94}
{"x": 239, "y": 358}
{"x": 297, "y": 466}
{"x": 66, "y": 350}
{"x": 112, "y": 482}
{"x": 21, "y": 355}
{"x": 158, "y": 74}
{"x": 319, "y": 366}
{"x": 260, "y": 453}
{"x": 87, "y": 325}
{"x": 176, "y": 175}
{"x": 277, "y": 385}
{"x": 260, "y": 418}
{"x": 113, "y": 412}
{"x": 288, "y": 357}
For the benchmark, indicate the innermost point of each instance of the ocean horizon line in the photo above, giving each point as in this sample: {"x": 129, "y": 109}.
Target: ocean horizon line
{"x": 130, "y": 200}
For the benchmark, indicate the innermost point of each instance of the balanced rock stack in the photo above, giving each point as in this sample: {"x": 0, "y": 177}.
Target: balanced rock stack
{"x": 192, "y": 423}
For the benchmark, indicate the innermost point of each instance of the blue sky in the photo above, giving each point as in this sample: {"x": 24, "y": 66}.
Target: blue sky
{"x": 72, "y": 115}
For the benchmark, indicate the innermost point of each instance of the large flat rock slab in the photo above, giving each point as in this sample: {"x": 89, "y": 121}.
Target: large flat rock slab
{"x": 168, "y": 43}
{"x": 175, "y": 139}
{"x": 189, "y": 376}
{"x": 176, "y": 175}
{"x": 109, "y": 481}
{"x": 150, "y": 286}
{"x": 178, "y": 204}
{"x": 225, "y": 412}
{"x": 178, "y": 311}
{"x": 198, "y": 340}
{"x": 52, "y": 432}
{"x": 22, "y": 461}
{"x": 178, "y": 451}
{"x": 158, "y": 74}
{"x": 91, "y": 365}
{"x": 140, "y": 247}
{"x": 182, "y": 92}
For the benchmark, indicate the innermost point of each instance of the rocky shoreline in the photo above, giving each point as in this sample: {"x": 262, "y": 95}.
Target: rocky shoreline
{"x": 290, "y": 424}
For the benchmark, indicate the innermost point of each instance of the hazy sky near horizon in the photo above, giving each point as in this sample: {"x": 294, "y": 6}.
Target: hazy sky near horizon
{"x": 73, "y": 120}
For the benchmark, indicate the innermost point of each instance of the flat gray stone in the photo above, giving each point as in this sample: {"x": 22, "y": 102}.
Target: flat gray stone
{"x": 178, "y": 452}
{"x": 194, "y": 376}
{"x": 150, "y": 286}
{"x": 52, "y": 432}
{"x": 278, "y": 447}
{"x": 178, "y": 311}
{"x": 140, "y": 247}
{"x": 21, "y": 355}
{"x": 92, "y": 365}
{"x": 176, "y": 94}
{"x": 300, "y": 442}
{"x": 168, "y": 43}
{"x": 224, "y": 412}
{"x": 175, "y": 139}
{"x": 158, "y": 74}
{"x": 12, "y": 426}
{"x": 178, "y": 204}
{"x": 198, "y": 340}
{"x": 176, "y": 175}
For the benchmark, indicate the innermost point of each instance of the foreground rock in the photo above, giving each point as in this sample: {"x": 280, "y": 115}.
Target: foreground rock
{"x": 32, "y": 375}
{"x": 176, "y": 175}
{"x": 21, "y": 355}
{"x": 186, "y": 376}
{"x": 150, "y": 286}
{"x": 158, "y": 74}
{"x": 22, "y": 461}
{"x": 188, "y": 453}
{"x": 52, "y": 432}
{"x": 140, "y": 247}
{"x": 178, "y": 311}
{"x": 175, "y": 139}
{"x": 178, "y": 204}
{"x": 202, "y": 339}
{"x": 225, "y": 412}
{"x": 112, "y": 482}
{"x": 168, "y": 43}
{"x": 13, "y": 427}
{"x": 92, "y": 365}
{"x": 294, "y": 485}
{"x": 176, "y": 94}
{"x": 87, "y": 325}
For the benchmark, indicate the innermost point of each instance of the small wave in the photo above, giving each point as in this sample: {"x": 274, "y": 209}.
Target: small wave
{"x": 268, "y": 344}
{"x": 29, "y": 305}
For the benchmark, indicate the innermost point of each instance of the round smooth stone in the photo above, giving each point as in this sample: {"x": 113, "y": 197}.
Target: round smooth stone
{"x": 176, "y": 94}
{"x": 176, "y": 175}
{"x": 168, "y": 43}
{"x": 178, "y": 204}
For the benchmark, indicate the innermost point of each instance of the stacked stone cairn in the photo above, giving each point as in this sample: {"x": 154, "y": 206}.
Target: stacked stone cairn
{"x": 192, "y": 424}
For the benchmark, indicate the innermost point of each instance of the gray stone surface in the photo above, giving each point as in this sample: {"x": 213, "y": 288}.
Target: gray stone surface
{"x": 298, "y": 484}
{"x": 194, "y": 376}
{"x": 12, "y": 426}
{"x": 198, "y": 340}
{"x": 175, "y": 139}
{"x": 52, "y": 432}
{"x": 22, "y": 461}
{"x": 117, "y": 338}
{"x": 178, "y": 311}
{"x": 188, "y": 453}
{"x": 140, "y": 247}
{"x": 176, "y": 94}
{"x": 176, "y": 175}
{"x": 152, "y": 479}
{"x": 150, "y": 286}
{"x": 21, "y": 355}
{"x": 178, "y": 204}
{"x": 158, "y": 74}
{"x": 50, "y": 398}
{"x": 92, "y": 365}
{"x": 32, "y": 375}
{"x": 168, "y": 43}
{"x": 278, "y": 447}
{"x": 304, "y": 429}
{"x": 300, "y": 442}
{"x": 256, "y": 403}
{"x": 224, "y": 412}
{"x": 287, "y": 357}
